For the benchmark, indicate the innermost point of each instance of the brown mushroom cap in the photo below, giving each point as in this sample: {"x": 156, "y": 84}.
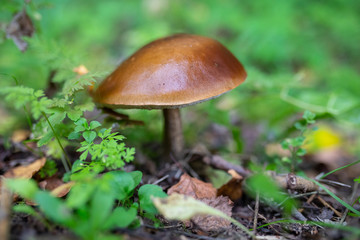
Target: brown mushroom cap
{"x": 172, "y": 72}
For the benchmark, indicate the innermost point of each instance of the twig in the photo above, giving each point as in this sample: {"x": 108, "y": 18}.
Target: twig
{"x": 311, "y": 198}
{"x": 293, "y": 182}
{"x": 352, "y": 199}
{"x": 267, "y": 221}
{"x": 333, "y": 183}
{"x": 5, "y": 207}
{"x": 304, "y": 194}
{"x": 329, "y": 206}
{"x": 185, "y": 167}
{"x": 256, "y": 212}
{"x": 220, "y": 163}
{"x": 160, "y": 180}
{"x": 297, "y": 214}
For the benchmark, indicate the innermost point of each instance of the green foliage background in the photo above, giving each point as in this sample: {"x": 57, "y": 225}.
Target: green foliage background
{"x": 298, "y": 54}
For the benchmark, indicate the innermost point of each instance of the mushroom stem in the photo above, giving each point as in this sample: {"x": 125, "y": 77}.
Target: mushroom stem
{"x": 173, "y": 135}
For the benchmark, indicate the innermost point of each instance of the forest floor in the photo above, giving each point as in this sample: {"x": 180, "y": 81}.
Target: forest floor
{"x": 312, "y": 204}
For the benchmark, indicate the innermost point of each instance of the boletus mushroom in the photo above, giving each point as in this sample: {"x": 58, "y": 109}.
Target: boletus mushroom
{"x": 170, "y": 73}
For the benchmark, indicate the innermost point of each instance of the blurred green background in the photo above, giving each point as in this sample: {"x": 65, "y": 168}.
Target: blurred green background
{"x": 299, "y": 55}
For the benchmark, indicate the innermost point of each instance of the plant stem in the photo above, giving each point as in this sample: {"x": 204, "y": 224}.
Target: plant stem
{"x": 68, "y": 165}
{"x": 28, "y": 118}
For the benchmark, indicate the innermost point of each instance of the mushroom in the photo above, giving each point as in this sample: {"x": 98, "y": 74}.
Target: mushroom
{"x": 170, "y": 73}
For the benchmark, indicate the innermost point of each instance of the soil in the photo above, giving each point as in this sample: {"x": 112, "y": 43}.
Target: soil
{"x": 314, "y": 207}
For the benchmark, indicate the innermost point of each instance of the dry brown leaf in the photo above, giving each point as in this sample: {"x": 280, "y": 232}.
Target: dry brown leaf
{"x": 233, "y": 188}
{"x": 20, "y": 135}
{"x": 57, "y": 187}
{"x": 62, "y": 190}
{"x": 26, "y": 171}
{"x": 206, "y": 193}
{"x": 214, "y": 223}
{"x": 50, "y": 183}
{"x": 193, "y": 187}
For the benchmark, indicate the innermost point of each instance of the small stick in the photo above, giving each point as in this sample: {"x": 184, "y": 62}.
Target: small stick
{"x": 293, "y": 182}
{"x": 311, "y": 198}
{"x": 329, "y": 206}
{"x": 5, "y": 208}
{"x": 220, "y": 163}
{"x": 160, "y": 180}
{"x": 256, "y": 212}
{"x": 352, "y": 199}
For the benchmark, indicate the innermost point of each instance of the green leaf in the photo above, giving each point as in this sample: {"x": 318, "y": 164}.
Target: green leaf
{"x": 45, "y": 139}
{"x": 89, "y": 136}
{"x": 120, "y": 217}
{"x": 286, "y": 160}
{"x": 100, "y": 207}
{"x": 25, "y": 209}
{"x": 269, "y": 190}
{"x": 309, "y": 117}
{"x": 146, "y": 192}
{"x": 49, "y": 169}
{"x": 53, "y": 207}
{"x": 26, "y": 188}
{"x": 94, "y": 124}
{"x": 77, "y": 165}
{"x": 80, "y": 194}
{"x": 121, "y": 183}
{"x": 74, "y": 135}
{"x": 88, "y": 106}
{"x": 84, "y": 155}
{"x": 301, "y": 152}
{"x": 136, "y": 175}
{"x": 57, "y": 118}
{"x": 81, "y": 122}
{"x": 74, "y": 115}
{"x": 79, "y": 128}
{"x": 285, "y": 144}
{"x": 299, "y": 126}
{"x": 297, "y": 142}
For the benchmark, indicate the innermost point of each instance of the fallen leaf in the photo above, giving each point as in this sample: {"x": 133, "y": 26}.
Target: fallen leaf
{"x": 20, "y": 135}
{"x": 62, "y": 190}
{"x": 26, "y": 171}
{"x": 181, "y": 207}
{"x": 233, "y": 188}
{"x": 206, "y": 193}
{"x": 215, "y": 223}
{"x": 50, "y": 183}
{"x": 193, "y": 187}
{"x": 56, "y": 186}
{"x": 59, "y": 191}
{"x": 20, "y": 26}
